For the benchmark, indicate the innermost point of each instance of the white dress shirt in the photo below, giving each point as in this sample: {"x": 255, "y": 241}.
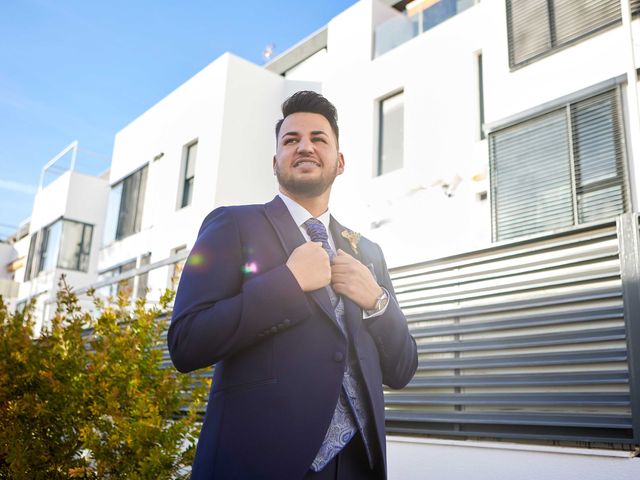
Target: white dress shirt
{"x": 301, "y": 215}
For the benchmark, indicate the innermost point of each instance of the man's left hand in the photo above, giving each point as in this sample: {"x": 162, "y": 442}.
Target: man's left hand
{"x": 352, "y": 279}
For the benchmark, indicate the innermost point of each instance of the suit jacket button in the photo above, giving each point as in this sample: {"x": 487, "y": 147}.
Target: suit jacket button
{"x": 286, "y": 322}
{"x": 274, "y": 329}
{"x": 338, "y": 356}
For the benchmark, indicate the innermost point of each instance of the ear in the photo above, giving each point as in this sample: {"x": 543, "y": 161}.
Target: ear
{"x": 273, "y": 165}
{"x": 340, "y": 163}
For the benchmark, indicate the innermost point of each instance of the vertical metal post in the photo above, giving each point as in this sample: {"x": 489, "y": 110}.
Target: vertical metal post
{"x": 629, "y": 252}
{"x": 633, "y": 104}
{"x": 572, "y": 167}
{"x": 74, "y": 153}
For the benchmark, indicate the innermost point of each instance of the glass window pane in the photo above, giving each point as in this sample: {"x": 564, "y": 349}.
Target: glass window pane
{"x": 75, "y": 246}
{"x": 391, "y": 134}
{"x": 113, "y": 209}
{"x": 31, "y": 257}
{"x": 529, "y": 29}
{"x": 126, "y": 217}
{"x": 595, "y": 142}
{"x": 531, "y": 177}
{"x": 190, "y": 166}
{"x": 187, "y": 192}
{"x": 85, "y": 253}
{"x": 601, "y": 204}
{"x": 573, "y": 19}
{"x": 141, "y": 186}
{"x": 131, "y": 204}
{"x": 50, "y": 247}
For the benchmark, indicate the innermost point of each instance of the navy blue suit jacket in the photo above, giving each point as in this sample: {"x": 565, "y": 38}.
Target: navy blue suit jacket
{"x": 279, "y": 354}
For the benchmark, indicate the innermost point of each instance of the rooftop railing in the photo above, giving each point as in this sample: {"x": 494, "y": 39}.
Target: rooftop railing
{"x": 398, "y": 30}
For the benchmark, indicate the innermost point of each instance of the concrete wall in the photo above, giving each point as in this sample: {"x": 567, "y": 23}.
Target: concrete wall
{"x": 416, "y": 459}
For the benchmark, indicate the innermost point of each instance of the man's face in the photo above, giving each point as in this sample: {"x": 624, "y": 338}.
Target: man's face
{"x": 307, "y": 160}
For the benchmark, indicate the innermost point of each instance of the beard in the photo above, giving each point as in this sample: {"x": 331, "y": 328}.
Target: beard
{"x": 306, "y": 188}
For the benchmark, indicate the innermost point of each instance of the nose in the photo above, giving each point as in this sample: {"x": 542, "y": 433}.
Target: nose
{"x": 305, "y": 145}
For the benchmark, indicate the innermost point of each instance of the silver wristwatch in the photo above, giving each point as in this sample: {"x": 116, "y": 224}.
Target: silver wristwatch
{"x": 381, "y": 302}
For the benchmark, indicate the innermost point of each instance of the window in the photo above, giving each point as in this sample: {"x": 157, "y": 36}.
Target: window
{"x": 559, "y": 169}
{"x": 126, "y": 199}
{"x": 63, "y": 244}
{"x": 28, "y": 272}
{"x": 75, "y": 246}
{"x": 191, "y": 151}
{"x": 49, "y": 247}
{"x": 391, "y": 134}
{"x": 538, "y": 27}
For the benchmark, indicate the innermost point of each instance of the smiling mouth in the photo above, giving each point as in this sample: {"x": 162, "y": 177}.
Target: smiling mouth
{"x": 306, "y": 163}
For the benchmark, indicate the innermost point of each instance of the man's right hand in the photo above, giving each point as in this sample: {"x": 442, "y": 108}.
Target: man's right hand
{"x": 310, "y": 266}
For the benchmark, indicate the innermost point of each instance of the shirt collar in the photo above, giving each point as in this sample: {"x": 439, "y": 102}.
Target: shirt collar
{"x": 301, "y": 214}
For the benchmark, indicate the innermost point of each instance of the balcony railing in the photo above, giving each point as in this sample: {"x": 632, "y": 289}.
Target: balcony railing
{"x": 400, "y": 29}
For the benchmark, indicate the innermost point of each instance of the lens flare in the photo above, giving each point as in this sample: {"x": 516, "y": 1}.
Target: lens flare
{"x": 249, "y": 268}
{"x": 195, "y": 259}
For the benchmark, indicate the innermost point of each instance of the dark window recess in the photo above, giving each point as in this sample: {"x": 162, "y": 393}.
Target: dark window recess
{"x": 62, "y": 244}
{"x": 391, "y": 134}
{"x": 559, "y": 169}
{"x": 31, "y": 257}
{"x": 189, "y": 174}
{"x": 126, "y": 201}
{"x": 131, "y": 203}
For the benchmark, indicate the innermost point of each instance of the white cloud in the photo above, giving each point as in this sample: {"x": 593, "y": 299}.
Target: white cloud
{"x": 17, "y": 187}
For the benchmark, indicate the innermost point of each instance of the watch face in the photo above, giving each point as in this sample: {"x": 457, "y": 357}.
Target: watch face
{"x": 382, "y": 300}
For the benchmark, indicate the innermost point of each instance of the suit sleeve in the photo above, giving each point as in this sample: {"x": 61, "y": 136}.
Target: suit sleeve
{"x": 216, "y": 312}
{"x": 396, "y": 347}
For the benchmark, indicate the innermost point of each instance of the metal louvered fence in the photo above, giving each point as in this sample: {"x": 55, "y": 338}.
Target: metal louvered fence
{"x": 536, "y": 340}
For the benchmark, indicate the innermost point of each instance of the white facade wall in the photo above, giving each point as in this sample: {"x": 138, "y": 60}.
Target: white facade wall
{"x": 424, "y": 459}
{"x": 7, "y": 254}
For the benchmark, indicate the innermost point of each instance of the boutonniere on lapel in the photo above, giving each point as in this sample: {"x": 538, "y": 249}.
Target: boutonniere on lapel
{"x": 353, "y": 238}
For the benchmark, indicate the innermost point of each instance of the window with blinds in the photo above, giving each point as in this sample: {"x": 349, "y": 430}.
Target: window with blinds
{"x": 559, "y": 169}
{"x": 538, "y": 27}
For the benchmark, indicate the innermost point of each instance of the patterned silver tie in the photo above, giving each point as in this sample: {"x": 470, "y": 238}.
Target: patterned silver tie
{"x": 349, "y": 415}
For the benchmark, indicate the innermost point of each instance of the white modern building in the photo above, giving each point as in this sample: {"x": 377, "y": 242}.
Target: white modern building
{"x": 471, "y": 130}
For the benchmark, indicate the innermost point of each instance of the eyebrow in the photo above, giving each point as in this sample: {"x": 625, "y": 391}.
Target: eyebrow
{"x": 314, "y": 132}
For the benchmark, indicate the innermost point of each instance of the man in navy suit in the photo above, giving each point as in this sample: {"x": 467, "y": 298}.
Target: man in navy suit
{"x": 299, "y": 316}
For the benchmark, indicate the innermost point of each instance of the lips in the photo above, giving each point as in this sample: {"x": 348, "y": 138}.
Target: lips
{"x": 306, "y": 162}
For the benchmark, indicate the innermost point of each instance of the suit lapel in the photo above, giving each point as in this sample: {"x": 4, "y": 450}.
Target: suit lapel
{"x": 291, "y": 238}
{"x": 352, "y": 312}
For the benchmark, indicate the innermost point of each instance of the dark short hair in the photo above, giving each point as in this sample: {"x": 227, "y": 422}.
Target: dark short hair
{"x": 309, "y": 102}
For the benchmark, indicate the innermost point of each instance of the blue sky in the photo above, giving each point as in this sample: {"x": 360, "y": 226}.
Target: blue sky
{"x": 82, "y": 70}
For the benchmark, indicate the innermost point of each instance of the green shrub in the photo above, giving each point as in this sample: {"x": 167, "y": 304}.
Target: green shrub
{"x": 91, "y": 397}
